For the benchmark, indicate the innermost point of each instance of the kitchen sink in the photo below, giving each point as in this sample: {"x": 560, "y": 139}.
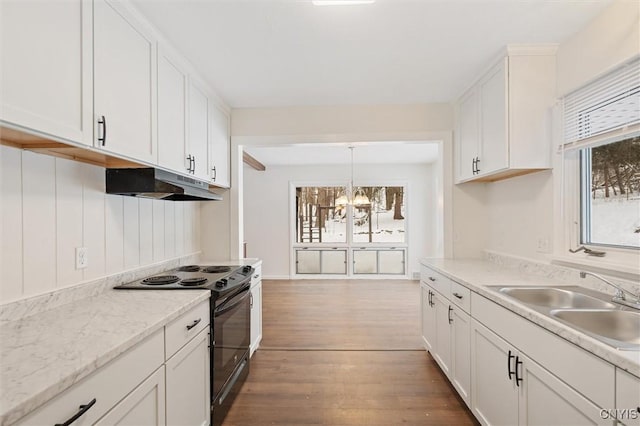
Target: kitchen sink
{"x": 552, "y": 297}
{"x": 585, "y": 310}
{"x": 623, "y": 327}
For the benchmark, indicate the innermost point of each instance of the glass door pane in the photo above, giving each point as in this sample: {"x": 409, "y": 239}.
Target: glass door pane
{"x": 307, "y": 261}
{"x": 391, "y": 262}
{"x": 365, "y": 262}
{"x": 334, "y": 262}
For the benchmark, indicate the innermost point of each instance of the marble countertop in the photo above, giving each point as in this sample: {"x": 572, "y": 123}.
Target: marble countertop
{"x": 42, "y": 355}
{"x": 478, "y": 274}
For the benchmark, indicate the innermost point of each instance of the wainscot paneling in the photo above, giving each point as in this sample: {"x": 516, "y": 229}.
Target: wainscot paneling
{"x": 51, "y": 206}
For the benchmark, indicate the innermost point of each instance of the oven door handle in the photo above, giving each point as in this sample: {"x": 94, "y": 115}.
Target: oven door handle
{"x": 231, "y": 303}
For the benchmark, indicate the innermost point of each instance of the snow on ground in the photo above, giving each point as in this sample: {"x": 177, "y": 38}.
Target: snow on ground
{"x": 384, "y": 228}
{"x": 615, "y": 220}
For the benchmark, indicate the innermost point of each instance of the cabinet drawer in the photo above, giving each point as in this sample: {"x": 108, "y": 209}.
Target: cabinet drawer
{"x": 185, "y": 328}
{"x": 436, "y": 280}
{"x": 257, "y": 275}
{"x": 108, "y": 385}
{"x": 461, "y": 296}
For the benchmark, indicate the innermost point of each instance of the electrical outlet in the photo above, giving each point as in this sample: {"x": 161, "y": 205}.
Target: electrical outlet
{"x": 82, "y": 257}
{"x": 543, "y": 245}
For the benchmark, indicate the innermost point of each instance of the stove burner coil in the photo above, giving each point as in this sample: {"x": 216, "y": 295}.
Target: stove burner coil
{"x": 192, "y": 282}
{"x": 189, "y": 268}
{"x": 161, "y": 280}
{"x": 216, "y": 269}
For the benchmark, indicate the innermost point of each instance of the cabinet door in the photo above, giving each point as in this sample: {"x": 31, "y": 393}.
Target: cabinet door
{"x": 142, "y": 407}
{"x": 494, "y": 152}
{"x": 256, "y": 316}
{"x": 494, "y": 399}
{"x": 461, "y": 353}
{"x": 546, "y": 400}
{"x": 428, "y": 319}
{"x": 628, "y": 398}
{"x": 442, "y": 353}
{"x": 124, "y": 85}
{"x": 46, "y": 67}
{"x": 468, "y": 136}
{"x": 199, "y": 130}
{"x": 219, "y": 147}
{"x": 188, "y": 401}
{"x": 172, "y": 113}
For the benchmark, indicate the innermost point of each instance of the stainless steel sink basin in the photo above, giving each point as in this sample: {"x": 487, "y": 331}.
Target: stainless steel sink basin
{"x": 554, "y": 298}
{"x": 623, "y": 327}
{"x": 585, "y": 310}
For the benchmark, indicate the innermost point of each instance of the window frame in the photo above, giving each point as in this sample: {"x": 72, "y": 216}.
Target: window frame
{"x": 623, "y": 262}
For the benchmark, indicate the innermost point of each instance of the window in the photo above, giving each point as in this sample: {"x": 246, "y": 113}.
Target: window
{"x": 318, "y": 218}
{"x": 342, "y": 232}
{"x": 380, "y": 219}
{"x": 601, "y": 169}
{"x": 610, "y": 192}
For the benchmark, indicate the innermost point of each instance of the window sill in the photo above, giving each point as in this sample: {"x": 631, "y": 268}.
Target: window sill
{"x": 627, "y": 268}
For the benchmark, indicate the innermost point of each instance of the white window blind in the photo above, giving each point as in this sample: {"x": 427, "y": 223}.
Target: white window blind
{"x": 605, "y": 110}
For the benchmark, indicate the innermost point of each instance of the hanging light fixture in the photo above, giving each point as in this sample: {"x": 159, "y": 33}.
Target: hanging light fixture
{"x": 353, "y": 197}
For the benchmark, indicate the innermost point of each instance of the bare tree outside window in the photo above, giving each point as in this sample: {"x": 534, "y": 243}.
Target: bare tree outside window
{"x": 611, "y": 196}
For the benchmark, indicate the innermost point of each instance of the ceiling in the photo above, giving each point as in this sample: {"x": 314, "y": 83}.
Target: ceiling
{"x": 272, "y": 53}
{"x": 332, "y": 154}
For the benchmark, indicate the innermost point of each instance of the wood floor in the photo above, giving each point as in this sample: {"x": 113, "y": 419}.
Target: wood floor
{"x": 344, "y": 353}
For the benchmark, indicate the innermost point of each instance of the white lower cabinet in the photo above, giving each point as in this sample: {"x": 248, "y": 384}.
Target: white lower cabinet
{"x": 188, "y": 393}
{"x": 461, "y": 353}
{"x": 494, "y": 400}
{"x": 144, "y": 406}
{"x": 509, "y": 388}
{"x": 428, "y": 318}
{"x": 446, "y": 335}
{"x": 256, "y": 309}
{"x": 627, "y": 398}
{"x": 442, "y": 353}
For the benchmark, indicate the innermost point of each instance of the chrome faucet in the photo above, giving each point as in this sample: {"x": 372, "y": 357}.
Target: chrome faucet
{"x": 620, "y": 292}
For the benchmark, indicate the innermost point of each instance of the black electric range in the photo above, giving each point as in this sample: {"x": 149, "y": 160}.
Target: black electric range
{"x": 230, "y": 323}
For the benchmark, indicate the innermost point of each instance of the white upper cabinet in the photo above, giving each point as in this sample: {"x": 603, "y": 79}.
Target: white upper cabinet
{"x": 124, "y": 83}
{"x": 172, "y": 113}
{"x": 468, "y": 134}
{"x": 46, "y": 67}
{"x": 198, "y": 151}
{"x": 219, "y": 147}
{"x": 503, "y": 121}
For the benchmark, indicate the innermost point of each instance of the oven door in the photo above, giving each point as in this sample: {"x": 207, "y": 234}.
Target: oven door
{"x": 231, "y": 333}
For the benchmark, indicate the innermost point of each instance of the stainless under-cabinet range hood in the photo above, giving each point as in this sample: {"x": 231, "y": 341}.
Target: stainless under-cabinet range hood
{"x": 159, "y": 184}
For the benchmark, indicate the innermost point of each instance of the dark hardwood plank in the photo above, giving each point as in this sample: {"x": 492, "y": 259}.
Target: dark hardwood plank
{"x": 340, "y": 314}
{"x": 344, "y": 353}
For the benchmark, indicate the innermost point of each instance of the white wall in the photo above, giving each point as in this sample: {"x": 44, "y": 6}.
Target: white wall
{"x": 521, "y": 210}
{"x": 49, "y": 206}
{"x": 608, "y": 40}
{"x": 342, "y": 124}
{"x": 267, "y": 208}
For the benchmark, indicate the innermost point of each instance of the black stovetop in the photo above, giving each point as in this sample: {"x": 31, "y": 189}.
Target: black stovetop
{"x": 216, "y": 278}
